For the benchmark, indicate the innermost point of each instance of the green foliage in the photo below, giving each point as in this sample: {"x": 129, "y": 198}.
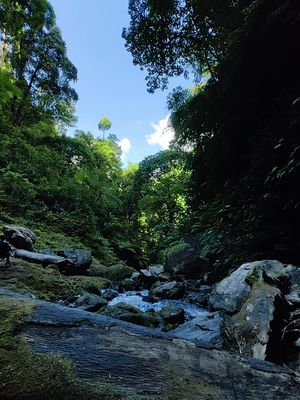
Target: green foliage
{"x": 104, "y": 125}
{"x": 172, "y": 37}
{"x": 72, "y": 185}
{"x": 16, "y": 191}
{"x": 242, "y": 123}
{"x": 35, "y": 54}
{"x": 160, "y": 198}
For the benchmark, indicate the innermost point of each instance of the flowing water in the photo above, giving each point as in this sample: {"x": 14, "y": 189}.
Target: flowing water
{"x": 135, "y": 298}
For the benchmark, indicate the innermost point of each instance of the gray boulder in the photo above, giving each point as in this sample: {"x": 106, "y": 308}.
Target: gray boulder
{"x": 135, "y": 276}
{"x": 169, "y": 290}
{"x": 90, "y": 302}
{"x": 156, "y": 269}
{"x": 151, "y": 274}
{"x": 204, "y": 330}
{"x": 165, "y": 276}
{"x": 183, "y": 259}
{"x": 251, "y": 328}
{"x": 127, "y": 284}
{"x": 230, "y": 294}
{"x": 81, "y": 260}
{"x": 19, "y": 236}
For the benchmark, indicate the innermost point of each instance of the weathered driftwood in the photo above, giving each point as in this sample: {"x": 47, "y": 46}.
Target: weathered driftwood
{"x": 142, "y": 359}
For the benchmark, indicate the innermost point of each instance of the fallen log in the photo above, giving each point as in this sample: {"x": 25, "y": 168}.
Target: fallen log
{"x": 44, "y": 259}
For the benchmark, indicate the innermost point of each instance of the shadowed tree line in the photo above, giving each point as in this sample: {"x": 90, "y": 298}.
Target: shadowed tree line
{"x": 242, "y": 120}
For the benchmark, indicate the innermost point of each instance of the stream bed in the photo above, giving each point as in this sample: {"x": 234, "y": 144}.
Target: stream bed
{"x": 135, "y": 298}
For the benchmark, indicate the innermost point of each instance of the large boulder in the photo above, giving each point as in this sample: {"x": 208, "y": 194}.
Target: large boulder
{"x": 169, "y": 290}
{"x": 251, "y": 328}
{"x": 156, "y": 269}
{"x": 204, "y": 330}
{"x": 183, "y": 259}
{"x": 147, "y": 277}
{"x": 152, "y": 274}
{"x": 230, "y": 294}
{"x": 81, "y": 260}
{"x": 19, "y": 236}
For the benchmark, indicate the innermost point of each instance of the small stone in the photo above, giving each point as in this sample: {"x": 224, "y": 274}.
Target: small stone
{"x": 109, "y": 294}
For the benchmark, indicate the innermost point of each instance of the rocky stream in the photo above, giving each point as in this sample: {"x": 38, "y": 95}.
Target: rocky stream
{"x": 240, "y": 335}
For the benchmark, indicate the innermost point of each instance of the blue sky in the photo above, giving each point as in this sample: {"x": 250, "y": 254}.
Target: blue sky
{"x": 108, "y": 82}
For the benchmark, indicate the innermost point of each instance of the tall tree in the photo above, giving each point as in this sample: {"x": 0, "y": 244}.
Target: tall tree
{"x": 104, "y": 125}
{"x": 172, "y": 37}
{"x": 34, "y": 49}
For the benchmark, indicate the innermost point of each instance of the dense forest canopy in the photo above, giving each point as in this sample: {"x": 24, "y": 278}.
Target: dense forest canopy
{"x": 241, "y": 120}
{"x": 229, "y": 182}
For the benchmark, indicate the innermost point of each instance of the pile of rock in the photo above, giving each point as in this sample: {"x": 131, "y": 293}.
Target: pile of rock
{"x": 169, "y": 317}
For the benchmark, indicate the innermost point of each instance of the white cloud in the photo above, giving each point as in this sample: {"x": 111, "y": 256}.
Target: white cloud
{"x": 163, "y": 133}
{"x": 125, "y": 145}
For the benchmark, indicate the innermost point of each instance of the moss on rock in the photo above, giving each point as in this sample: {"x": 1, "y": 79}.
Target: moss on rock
{"x": 116, "y": 272}
{"x": 129, "y": 313}
{"x": 45, "y": 282}
{"x": 27, "y": 375}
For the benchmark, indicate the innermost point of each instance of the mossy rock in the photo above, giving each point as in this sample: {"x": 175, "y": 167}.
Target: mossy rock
{"x": 45, "y": 282}
{"x": 172, "y": 314}
{"x": 129, "y": 313}
{"x": 115, "y": 273}
{"x": 183, "y": 259}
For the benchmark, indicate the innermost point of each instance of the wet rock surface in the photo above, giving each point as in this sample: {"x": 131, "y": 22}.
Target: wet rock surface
{"x": 169, "y": 290}
{"x": 172, "y": 314}
{"x": 205, "y": 330}
{"x": 141, "y": 359}
{"x": 199, "y": 296}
